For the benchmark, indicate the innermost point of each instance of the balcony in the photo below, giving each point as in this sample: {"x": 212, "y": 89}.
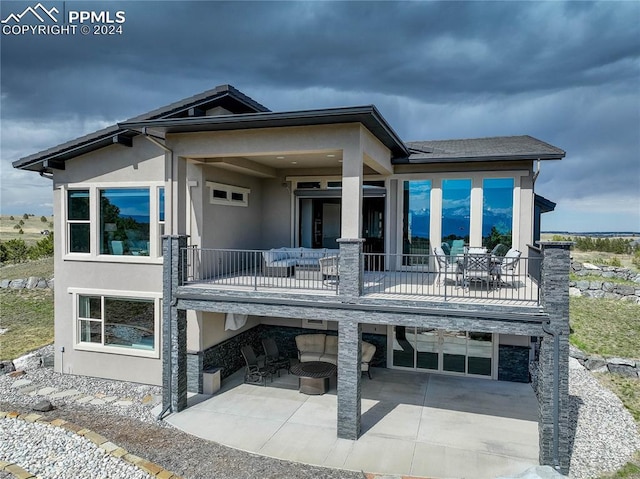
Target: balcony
{"x": 465, "y": 279}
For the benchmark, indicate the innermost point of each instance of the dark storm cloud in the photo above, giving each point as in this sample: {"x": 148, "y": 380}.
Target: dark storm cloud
{"x": 568, "y": 73}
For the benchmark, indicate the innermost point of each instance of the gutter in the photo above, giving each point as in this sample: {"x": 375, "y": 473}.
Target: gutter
{"x": 556, "y": 393}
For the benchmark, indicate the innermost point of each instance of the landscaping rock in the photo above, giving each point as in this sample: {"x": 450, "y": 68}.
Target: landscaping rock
{"x": 4, "y": 284}
{"x": 591, "y": 267}
{"x": 594, "y": 293}
{"x": 608, "y": 295}
{"x": 575, "y": 292}
{"x": 18, "y": 284}
{"x": 32, "y": 282}
{"x": 582, "y": 284}
{"x": 576, "y": 353}
{"x": 43, "y": 406}
{"x": 622, "y": 362}
{"x": 7, "y": 367}
{"x": 42, "y": 284}
{"x": 594, "y": 363}
{"x": 575, "y": 364}
{"x": 595, "y": 284}
{"x": 608, "y": 286}
{"x": 622, "y": 370}
{"x": 625, "y": 290}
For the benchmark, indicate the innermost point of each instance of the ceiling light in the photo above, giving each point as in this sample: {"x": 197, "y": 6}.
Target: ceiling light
{"x": 294, "y": 162}
{"x": 339, "y": 161}
{"x": 279, "y": 157}
{"x": 331, "y": 156}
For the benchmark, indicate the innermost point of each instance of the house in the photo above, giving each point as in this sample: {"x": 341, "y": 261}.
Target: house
{"x": 214, "y": 212}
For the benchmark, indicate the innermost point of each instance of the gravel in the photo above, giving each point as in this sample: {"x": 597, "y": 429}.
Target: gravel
{"x": 604, "y": 433}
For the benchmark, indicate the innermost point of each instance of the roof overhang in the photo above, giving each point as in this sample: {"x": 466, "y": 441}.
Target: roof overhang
{"x": 467, "y": 159}
{"x": 368, "y": 116}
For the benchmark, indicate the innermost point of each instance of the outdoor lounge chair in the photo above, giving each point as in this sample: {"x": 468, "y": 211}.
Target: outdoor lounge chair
{"x": 254, "y": 373}
{"x": 272, "y": 356}
{"x": 329, "y": 268}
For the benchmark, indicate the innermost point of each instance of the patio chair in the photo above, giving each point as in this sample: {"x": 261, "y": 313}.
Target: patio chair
{"x": 508, "y": 267}
{"x": 272, "y": 356}
{"x": 457, "y": 248}
{"x": 254, "y": 373}
{"x": 477, "y": 268}
{"x": 368, "y": 351}
{"x": 445, "y": 268}
{"x": 329, "y": 268}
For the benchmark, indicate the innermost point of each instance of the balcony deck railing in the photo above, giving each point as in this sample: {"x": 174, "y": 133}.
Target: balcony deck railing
{"x": 466, "y": 277}
{"x": 257, "y": 269}
{"x": 469, "y": 278}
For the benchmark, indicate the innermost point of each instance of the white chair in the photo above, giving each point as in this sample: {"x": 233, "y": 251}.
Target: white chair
{"x": 445, "y": 268}
{"x": 508, "y": 267}
{"x": 329, "y": 268}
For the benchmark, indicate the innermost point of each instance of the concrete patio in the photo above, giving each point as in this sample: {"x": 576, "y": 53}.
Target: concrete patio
{"x": 412, "y": 424}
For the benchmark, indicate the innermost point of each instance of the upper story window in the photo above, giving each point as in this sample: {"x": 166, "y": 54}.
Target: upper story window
{"x": 78, "y": 221}
{"x": 105, "y": 222}
{"x": 456, "y": 210}
{"x": 125, "y": 221}
{"x": 497, "y": 211}
{"x": 416, "y": 217}
{"x": 228, "y": 195}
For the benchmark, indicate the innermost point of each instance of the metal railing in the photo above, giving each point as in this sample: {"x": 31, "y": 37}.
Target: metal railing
{"x": 286, "y": 268}
{"x": 472, "y": 277}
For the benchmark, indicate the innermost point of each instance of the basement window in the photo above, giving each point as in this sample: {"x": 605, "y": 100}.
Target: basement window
{"x": 228, "y": 195}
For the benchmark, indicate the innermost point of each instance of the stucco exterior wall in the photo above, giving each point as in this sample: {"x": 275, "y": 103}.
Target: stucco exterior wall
{"x": 113, "y": 165}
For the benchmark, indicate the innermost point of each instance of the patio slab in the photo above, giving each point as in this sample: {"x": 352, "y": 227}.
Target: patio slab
{"x": 414, "y": 424}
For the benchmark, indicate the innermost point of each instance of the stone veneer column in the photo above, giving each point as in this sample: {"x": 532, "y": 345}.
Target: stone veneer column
{"x": 553, "y": 380}
{"x": 174, "y": 327}
{"x": 349, "y": 372}
{"x": 350, "y": 267}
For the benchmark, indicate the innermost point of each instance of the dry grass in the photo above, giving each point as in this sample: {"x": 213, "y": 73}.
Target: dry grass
{"x": 607, "y": 327}
{"x": 41, "y": 268}
{"x": 31, "y": 228}
{"x": 27, "y": 317}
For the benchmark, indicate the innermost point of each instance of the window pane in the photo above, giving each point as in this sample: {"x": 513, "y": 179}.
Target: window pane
{"x": 416, "y": 217}
{"x": 428, "y": 346}
{"x": 129, "y": 323}
{"x": 237, "y": 196}
{"x": 497, "y": 211}
{"x": 161, "y": 204}
{"x": 480, "y": 350}
{"x": 403, "y": 342}
{"x": 454, "y": 351}
{"x": 89, "y": 307}
{"x": 79, "y": 234}
{"x": 124, "y": 221}
{"x": 456, "y": 211}
{"x": 90, "y": 331}
{"x": 78, "y": 205}
{"x": 220, "y": 194}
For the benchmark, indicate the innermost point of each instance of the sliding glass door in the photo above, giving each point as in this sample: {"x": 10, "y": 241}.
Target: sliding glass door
{"x": 457, "y": 352}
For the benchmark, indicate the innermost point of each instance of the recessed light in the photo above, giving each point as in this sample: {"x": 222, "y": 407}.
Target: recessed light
{"x": 279, "y": 157}
{"x": 294, "y": 162}
{"x": 339, "y": 161}
{"x": 331, "y": 156}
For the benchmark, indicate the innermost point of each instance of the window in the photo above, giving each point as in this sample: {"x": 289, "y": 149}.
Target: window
{"x": 416, "y": 217}
{"x": 116, "y": 322}
{"x": 497, "y": 211}
{"x": 124, "y": 221}
{"x": 228, "y": 195}
{"x": 78, "y": 221}
{"x": 456, "y": 211}
{"x": 160, "y": 219}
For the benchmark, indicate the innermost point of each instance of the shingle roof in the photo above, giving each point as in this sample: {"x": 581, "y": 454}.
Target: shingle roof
{"x": 225, "y": 94}
{"x": 482, "y": 149}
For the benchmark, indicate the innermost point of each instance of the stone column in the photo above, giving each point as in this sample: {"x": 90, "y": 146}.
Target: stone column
{"x": 553, "y": 380}
{"x": 174, "y": 327}
{"x": 349, "y": 372}
{"x": 350, "y": 267}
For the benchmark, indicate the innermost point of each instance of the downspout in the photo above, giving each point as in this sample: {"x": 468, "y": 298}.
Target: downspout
{"x": 166, "y": 328}
{"x": 556, "y": 393}
{"x": 537, "y": 172}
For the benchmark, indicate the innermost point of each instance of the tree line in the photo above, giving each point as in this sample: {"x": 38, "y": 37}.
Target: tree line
{"x": 17, "y": 251}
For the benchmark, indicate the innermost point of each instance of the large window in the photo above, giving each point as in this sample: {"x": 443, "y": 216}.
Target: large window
{"x": 416, "y": 217}
{"x": 124, "y": 221}
{"x": 117, "y": 322}
{"x": 497, "y": 211}
{"x": 78, "y": 221}
{"x": 456, "y": 212}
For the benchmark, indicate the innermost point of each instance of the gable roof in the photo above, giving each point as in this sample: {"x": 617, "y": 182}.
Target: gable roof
{"x": 225, "y": 96}
{"x": 523, "y": 147}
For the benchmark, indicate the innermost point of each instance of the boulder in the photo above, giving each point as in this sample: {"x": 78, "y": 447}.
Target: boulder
{"x": 622, "y": 362}
{"x": 575, "y": 364}
{"x": 626, "y": 371}
{"x": 591, "y": 267}
{"x": 582, "y": 285}
{"x": 7, "y": 367}
{"x": 576, "y": 353}
{"x": 43, "y": 406}
{"x": 18, "y": 284}
{"x": 594, "y": 293}
{"x": 42, "y": 284}
{"x": 625, "y": 290}
{"x": 608, "y": 286}
{"x": 575, "y": 292}
{"x": 4, "y": 284}
{"x": 32, "y": 282}
{"x": 608, "y": 295}
{"x": 595, "y": 285}
{"x": 594, "y": 363}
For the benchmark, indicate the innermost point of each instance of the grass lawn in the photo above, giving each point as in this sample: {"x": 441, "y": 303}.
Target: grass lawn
{"x": 27, "y": 315}
{"x": 607, "y": 327}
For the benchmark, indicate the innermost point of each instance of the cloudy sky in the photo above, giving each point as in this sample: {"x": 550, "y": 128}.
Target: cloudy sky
{"x": 566, "y": 73}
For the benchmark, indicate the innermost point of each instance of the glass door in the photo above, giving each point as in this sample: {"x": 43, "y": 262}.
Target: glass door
{"x": 436, "y": 350}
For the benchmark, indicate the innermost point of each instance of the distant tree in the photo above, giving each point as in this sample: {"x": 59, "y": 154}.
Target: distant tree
{"x": 43, "y": 219}
{"x": 25, "y": 216}
{"x": 20, "y": 232}
{"x": 21, "y": 222}
{"x": 50, "y": 224}
{"x": 16, "y": 227}
{"x": 42, "y": 248}
{"x": 17, "y": 250}
{"x": 11, "y": 218}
